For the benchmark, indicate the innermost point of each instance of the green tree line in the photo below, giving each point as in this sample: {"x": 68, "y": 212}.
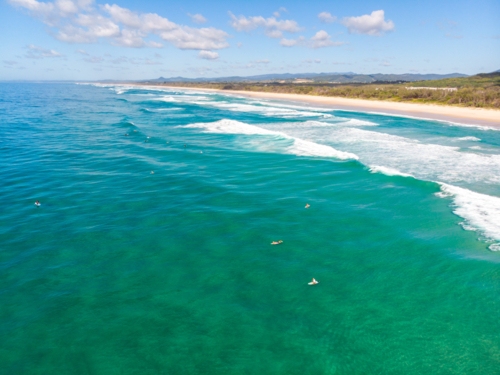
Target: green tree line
{"x": 480, "y": 91}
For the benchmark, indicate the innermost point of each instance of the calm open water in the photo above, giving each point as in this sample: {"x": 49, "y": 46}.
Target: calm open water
{"x": 121, "y": 271}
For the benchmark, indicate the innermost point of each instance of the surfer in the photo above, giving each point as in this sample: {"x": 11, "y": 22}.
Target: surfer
{"x": 307, "y": 205}
{"x": 37, "y": 203}
{"x": 276, "y": 242}
{"x": 314, "y": 282}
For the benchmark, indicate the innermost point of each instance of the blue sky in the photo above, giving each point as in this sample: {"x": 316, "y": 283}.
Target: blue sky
{"x": 92, "y": 40}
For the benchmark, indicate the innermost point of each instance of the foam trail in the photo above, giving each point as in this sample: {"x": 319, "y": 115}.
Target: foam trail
{"x": 264, "y": 110}
{"x": 299, "y": 147}
{"x": 425, "y": 161}
{"x": 469, "y": 139}
{"x": 450, "y": 123}
{"x": 302, "y": 108}
{"x": 354, "y": 122}
{"x": 480, "y": 211}
{"x": 388, "y": 171}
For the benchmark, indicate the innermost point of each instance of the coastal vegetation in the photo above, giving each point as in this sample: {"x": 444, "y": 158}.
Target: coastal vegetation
{"x": 481, "y": 91}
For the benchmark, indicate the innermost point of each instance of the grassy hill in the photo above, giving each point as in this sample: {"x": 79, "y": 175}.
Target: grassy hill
{"x": 372, "y": 78}
{"x": 483, "y": 80}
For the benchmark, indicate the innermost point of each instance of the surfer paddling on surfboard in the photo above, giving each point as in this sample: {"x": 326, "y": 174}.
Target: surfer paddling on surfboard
{"x": 307, "y": 205}
{"x": 37, "y": 203}
{"x": 314, "y": 282}
{"x": 276, "y": 242}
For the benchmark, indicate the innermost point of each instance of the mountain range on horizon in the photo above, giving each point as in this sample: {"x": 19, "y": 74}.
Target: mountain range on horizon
{"x": 338, "y": 77}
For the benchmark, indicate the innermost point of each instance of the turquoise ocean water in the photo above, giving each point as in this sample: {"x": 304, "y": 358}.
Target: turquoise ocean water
{"x": 124, "y": 271}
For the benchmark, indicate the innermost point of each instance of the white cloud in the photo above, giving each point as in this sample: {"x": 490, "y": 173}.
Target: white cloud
{"x": 322, "y": 39}
{"x": 208, "y": 55}
{"x": 326, "y": 17}
{"x": 261, "y": 61}
{"x": 273, "y": 28}
{"x": 129, "y": 38}
{"x": 71, "y": 34}
{"x": 292, "y": 42}
{"x": 154, "y": 44}
{"x": 239, "y": 44}
{"x": 197, "y": 18}
{"x": 123, "y": 59}
{"x": 83, "y": 52}
{"x": 51, "y": 13}
{"x": 278, "y": 14}
{"x": 78, "y": 21}
{"x": 385, "y": 64}
{"x": 10, "y": 62}
{"x": 373, "y": 24}
{"x": 40, "y": 53}
{"x": 186, "y": 37}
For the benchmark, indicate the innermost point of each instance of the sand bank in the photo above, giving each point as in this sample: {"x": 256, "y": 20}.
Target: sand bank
{"x": 483, "y": 116}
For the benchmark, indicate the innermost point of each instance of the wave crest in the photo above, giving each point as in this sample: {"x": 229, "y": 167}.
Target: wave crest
{"x": 299, "y": 147}
{"x": 480, "y": 211}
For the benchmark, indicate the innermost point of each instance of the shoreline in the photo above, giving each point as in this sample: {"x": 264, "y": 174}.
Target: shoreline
{"x": 489, "y": 117}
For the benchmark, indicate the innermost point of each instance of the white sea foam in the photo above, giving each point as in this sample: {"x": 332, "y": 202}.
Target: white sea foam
{"x": 156, "y": 110}
{"x": 447, "y": 122}
{"x": 469, "y": 139}
{"x": 264, "y": 110}
{"x": 480, "y": 211}
{"x": 388, "y": 171}
{"x": 299, "y": 146}
{"x": 426, "y": 161}
{"x": 355, "y": 122}
{"x": 181, "y": 99}
{"x": 299, "y": 107}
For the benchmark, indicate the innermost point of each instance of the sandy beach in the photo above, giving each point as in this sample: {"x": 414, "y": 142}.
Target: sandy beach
{"x": 483, "y": 116}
